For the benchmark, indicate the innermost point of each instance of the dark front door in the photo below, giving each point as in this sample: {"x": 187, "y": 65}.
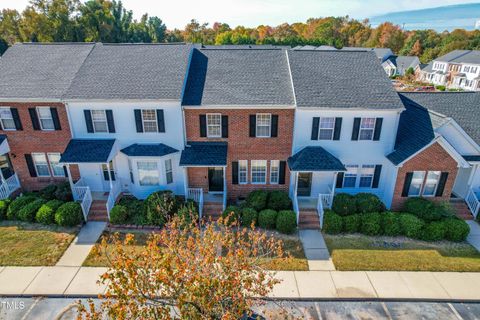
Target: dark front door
{"x": 304, "y": 185}
{"x": 215, "y": 179}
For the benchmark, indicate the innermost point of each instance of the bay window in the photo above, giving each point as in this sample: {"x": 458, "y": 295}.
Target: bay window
{"x": 148, "y": 173}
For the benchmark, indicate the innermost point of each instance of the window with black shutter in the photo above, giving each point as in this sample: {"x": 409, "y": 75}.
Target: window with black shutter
{"x": 203, "y": 125}
{"x": 253, "y": 125}
{"x": 56, "y": 119}
{"x": 338, "y": 129}
{"x": 30, "y": 165}
{"x": 160, "y": 120}
{"x": 16, "y": 119}
{"x": 339, "y": 183}
{"x": 274, "y": 130}
{"x": 138, "y": 120}
{"x": 282, "y": 172}
{"x": 110, "y": 121}
{"x": 407, "y": 183}
{"x": 88, "y": 120}
{"x": 356, "y": 128}
{"x": 224, "y": 126}
{"x": 376, "y": 176}
{"x": 234, "y": 172}
{"x": 34, "y": 118}
{"x": 441, "y": 184}
{"x": 378, "y": 129}
{"x": 315, "y": 127}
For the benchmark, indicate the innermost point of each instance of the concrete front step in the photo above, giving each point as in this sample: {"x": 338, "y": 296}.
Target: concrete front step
{"x": 98, "y": 211}
{"x": 308, "y": 219}
{"x": 461, "y": 210}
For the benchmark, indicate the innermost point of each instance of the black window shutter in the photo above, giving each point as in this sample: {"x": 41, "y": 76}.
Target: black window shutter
{"x": 376, "y": 176}
{"x": 234, "y": 172}
{"x": 224, "y": 126}
{"x": 338, "y": 129}
{"x": 16, "y": 119}
{"x": 282, "y": 170}
{"x": 407, "y": 183}
{"x": 138, "y": 120}
{"x": 160, "y": 120}
{"x": 315, "y": 127}
{"x": 253, "y": 125}
{"x": 339, "y": 183}
{"x": 88, "y": 120}
{"x": 30, "y": 165}
{"x": 34, "y": 117}
{"x": 56, "y": 119}
{"x": 65, "y": 171}
{"x": 274, "y": 131}
{"x": 110, "y": 122}
{"x": 378, "y": 129}
{"x": 203, "y": 125}
{"x": 356, "y": 128}
{"x": 441, "y": 184}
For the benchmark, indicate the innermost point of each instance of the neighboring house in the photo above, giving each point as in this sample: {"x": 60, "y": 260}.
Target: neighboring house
{"x": 381, "y": 53}
{"x": 459, "y": 69}
{"x": 398, "y": 65}
{"x": 34, "y": 121}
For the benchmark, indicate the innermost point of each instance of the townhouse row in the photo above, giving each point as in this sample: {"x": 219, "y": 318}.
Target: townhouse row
{"x": 214, "y": 124}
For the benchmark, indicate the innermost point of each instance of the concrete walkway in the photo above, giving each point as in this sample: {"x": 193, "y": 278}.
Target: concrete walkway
{"x": 316, "y": 251}
{"x": 78, "y": 251}
{"x": 82, "y": 281}
{"x": 474, "y": 236}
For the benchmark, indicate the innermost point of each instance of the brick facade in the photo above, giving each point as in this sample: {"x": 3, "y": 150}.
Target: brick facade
{"x": 28, "y": 141}
{"x": 243, "y": 147}
{"x": 434, "y": 158}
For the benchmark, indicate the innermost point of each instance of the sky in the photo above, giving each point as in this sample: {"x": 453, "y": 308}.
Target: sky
{"x": 251, "y": 13}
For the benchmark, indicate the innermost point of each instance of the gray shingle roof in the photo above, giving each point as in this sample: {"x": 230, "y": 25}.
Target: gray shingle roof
{"x": 204, "y": 154}
{"x": 461, "y": 56}
{"x": 238, "y": 77}
{"x": 341, "y": 79}
{"x": 405, "y": 62}
{"x": 132, "y": 71}
{"x": 314, "y": 159}
{"x": 148, "y": 150}
{"x": 87, "y": 150}
{"x": 40, "y": 70}
{"x": 381, "y": 53}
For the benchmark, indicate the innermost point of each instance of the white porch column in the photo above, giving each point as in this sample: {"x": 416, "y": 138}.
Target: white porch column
{"x": 185, "y": 184}
{"x": 109, "y": 176}
{"x": 70, "y": 180}
{"x": 295, "y": 189}
{"x": 1, "y": 176}
{"x": 224, "y": 188}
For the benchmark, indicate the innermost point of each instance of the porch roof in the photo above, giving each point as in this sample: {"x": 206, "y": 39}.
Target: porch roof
{"x": 314, "y": 159}
{"x": 204, "y": 154}
{"x": 473, "y": 158}
{"x": 148, "y": 150}
{"x": 88, "y": 151}
{"x": 4, "y": 147}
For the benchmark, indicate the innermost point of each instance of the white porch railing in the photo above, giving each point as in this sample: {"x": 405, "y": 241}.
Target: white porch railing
{"x": 8, "y": 186}
{"x": 115, "y": 191}
{"x": 295, "y": 207}
{"x": 473, "y": 202}
{"x": 326, "y": 199}
{"x": 81, "y": 192}
{"x": 320, "y": 209}
{"x": 196, "y": 194}
{"x": 86, "y": 203}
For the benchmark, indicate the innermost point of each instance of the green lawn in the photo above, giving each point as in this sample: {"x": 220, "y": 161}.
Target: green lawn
{"x": 359, "y": 252}
{"x": 26, "y": 244}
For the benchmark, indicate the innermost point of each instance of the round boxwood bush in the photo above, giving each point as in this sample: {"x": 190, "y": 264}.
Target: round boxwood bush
{"x": 63, "y": 192}
{"x": 257, "y": 200}
{"x": 344, "y": 204}
{"x": 456, "y": 230}
{"x": 433, "y": 231}
{"x": 48, "y": 193}
{"x": 267, "y": 219}
{"x": 279, "y": 200}
{"x": 3, "y": 208}
{"x": 332, "y": 222}
{"x": 286, "y": 221}
{"x": 352, "y": 223}
{"x": 159, "y": 207}
{"x": 422, "y": 208}
{"x": 371, "y": 224}
{"x": 411, "y": 225}
{"x": 29, "y": 211}
{"x": 232, "y": 213}
{"x": 46, "y": 213}
{"x": 249, "y": 215}
{"x": 69, "y": 214}
{"x": 18, "y": 204}
{"x": 118, "y": 214}
{"x": 368, "y": 202}
{"x": 391, "y": 224}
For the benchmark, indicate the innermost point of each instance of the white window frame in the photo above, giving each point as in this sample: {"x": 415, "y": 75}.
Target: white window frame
{"x": 274, "y": 170}
{"x": 152, "y": 170}
{"x": 168, "y": 171}
{"x": 417, "y": 181}
{"x": 35, "y": 164}
{"x": 367, "y": 171}
{"x": 242, "y": 171}
{"x": 149, "y": 121}
{"x": 363, "y": 128}
{"x": 214, "y": 126}
{"x": 328, "y": 125}
{"x": 352, "y": 172}
{"x": 53, "y": 165}
{"x": 258, "y": 167}
{"x": 99, "y": 121}
{"x": 7, "y": 118}
{"x": 429, "y": 181}
{"x": 40, "y": 118}
{"x": 259, "y": 117}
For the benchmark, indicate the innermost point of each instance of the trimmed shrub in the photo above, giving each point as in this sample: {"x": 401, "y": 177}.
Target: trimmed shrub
{"x": 69, "y": 214}
{"x": 133, "y": 205}
{"x": 456, "y": 230}
{"x": 119, "y": 214}
{"x": 63, "y": 192}
{"x": 434, "y": 231}
{"x": 48, "y": 193}
{"x": 286, "y": 221}
{"x": 188, "y": 212}
{"x": 344, "y": 204}
{"x": 267, "y": 219}
{"x": 233, "y": 213}
{"x": 411, "y": 225}
{"x": 391, "y": 224}
{"x": 46, "y": 213}
{"x": 371, "y": 224}
{"x": 29, "y": 211}
{"x": 444, "y": 210}
{"x": 422, "y": 208}
{"x": 18, "y": 204}
{"x": 368, "y": 202}
{"x": 352, "y": 223}
{"x": 159, "y": 207}
{"x": 332, "y": 222}
{"x": 279, "y": 200}
{"x": 249, "y": 215}
{"x": 3, "y": 208}
{"x": 257, "y": 200}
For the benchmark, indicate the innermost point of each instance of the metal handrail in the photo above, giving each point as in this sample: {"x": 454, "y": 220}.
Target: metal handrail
{"x": 473, "y": 202}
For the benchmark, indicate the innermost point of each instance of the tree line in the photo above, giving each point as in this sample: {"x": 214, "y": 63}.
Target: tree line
{"x": 109, "y": 21}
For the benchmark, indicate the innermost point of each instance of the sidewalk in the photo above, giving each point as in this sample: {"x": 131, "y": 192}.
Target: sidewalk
{"x": 316, "y": 251}
{"x": 474, "y": 236}
{"x": 81, "y": 281}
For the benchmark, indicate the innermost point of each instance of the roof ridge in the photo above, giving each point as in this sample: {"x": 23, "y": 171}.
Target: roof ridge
{"x": 55, "y": 43}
